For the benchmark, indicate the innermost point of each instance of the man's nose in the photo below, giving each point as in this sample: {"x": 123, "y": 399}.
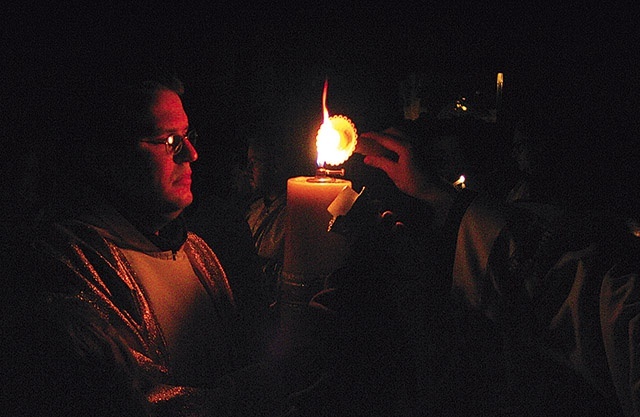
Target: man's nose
{"x": 188, "y": 152}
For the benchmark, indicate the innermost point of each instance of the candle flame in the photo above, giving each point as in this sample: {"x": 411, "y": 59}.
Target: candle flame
{"x": 325, "y": 112}
{"x": 459, "y": 183}
{"x": 336, "y": 138}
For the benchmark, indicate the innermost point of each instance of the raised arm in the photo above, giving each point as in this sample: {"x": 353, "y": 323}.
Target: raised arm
{"x": 409, "y": 173}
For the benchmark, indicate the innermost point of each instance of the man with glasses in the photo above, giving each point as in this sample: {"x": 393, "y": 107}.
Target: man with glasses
{"x": 135, "y": 314}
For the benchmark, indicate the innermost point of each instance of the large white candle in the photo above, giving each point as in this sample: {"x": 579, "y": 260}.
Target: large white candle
{"x": 311, "y": 251}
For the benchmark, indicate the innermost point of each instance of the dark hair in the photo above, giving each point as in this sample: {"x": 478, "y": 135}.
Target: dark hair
{"x": 102, "y": 114}
{"x": 117, "y": 104}
{"x": 109, "y": 108}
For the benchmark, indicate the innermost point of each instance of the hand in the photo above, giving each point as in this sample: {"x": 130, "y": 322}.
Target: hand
{"x": 408, "y": 172}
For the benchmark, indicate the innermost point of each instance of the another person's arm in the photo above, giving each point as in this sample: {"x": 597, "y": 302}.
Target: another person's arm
{"x": 410, "y": 174}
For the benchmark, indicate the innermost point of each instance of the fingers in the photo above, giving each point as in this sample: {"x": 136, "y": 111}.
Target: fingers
{"x": 388, "y": 139}
{"x": 394, "y": 146}
{"x": 365, "y": 145}
{"x": 380, "y": 162}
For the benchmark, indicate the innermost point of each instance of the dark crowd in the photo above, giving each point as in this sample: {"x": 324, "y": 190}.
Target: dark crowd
{"x": 490, "y": 268}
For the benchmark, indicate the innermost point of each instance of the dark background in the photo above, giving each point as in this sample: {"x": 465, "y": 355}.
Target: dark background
{"x": 259, "y": 69}
{"x": 251, "y": 68}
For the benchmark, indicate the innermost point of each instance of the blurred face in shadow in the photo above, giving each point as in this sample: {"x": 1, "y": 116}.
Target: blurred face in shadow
{"x": 520, "y": 152}
{"x": 257, "y": 167}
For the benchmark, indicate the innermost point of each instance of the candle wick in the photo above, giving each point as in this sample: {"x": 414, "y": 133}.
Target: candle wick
{"x": 323, "y": 172}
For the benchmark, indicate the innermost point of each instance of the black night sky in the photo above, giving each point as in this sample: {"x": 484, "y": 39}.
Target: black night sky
{"x": 251, "y": 68}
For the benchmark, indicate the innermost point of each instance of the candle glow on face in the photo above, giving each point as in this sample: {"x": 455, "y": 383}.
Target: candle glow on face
{"x": 336, "y": 138}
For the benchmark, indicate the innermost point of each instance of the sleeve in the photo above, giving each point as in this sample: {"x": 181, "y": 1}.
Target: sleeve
{"x": 75, "y": 358}
{"x": 63, "y": 359}
{"x": 481, "y": 225}
{"x": 67, "y": 360}
{"x": 546, "y": 278}
{"x": 504, "y": 254}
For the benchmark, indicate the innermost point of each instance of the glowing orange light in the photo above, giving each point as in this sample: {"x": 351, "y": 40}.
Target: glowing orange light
{"x": 337, "y": 137}
{"x": 459, "y": 183}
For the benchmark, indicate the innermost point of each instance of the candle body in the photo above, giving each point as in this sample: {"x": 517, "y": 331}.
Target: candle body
{"x": 310, "y": 250}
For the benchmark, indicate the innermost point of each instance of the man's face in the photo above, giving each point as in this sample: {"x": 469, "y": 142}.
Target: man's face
{"x": 162, "y": 180}
{"x": 520, "y": 152}
{"x": 257, "y": 168}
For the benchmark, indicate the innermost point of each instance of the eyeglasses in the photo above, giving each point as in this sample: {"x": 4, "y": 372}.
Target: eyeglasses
{"x": 175, "y": 143}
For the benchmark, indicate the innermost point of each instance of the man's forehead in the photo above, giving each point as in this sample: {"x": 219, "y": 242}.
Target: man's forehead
{"x": 167, "y": 111}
